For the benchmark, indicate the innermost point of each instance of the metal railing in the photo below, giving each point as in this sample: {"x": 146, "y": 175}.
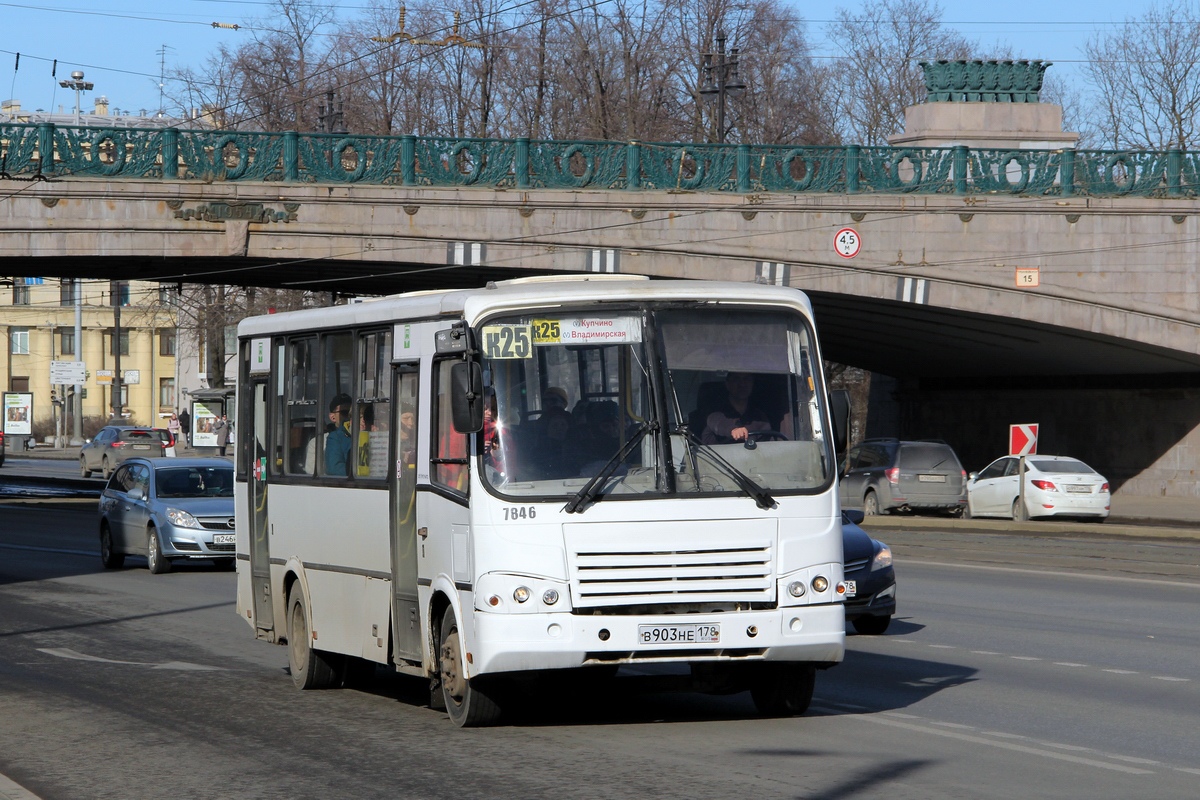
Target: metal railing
{"x": 171, "y": 154}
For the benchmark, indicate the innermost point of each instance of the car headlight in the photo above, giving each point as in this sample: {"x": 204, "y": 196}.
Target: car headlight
{"x": 182, "y": 518}
{"x": 882, "y": 559}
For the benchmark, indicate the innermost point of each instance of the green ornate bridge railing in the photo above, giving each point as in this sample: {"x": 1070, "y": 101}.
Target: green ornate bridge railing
{"x": 171, "y": 154}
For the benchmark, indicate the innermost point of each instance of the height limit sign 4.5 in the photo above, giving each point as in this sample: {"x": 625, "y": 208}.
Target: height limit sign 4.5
{"x": 846, "y": 243}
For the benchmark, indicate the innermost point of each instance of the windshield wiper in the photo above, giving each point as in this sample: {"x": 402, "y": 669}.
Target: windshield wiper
{"x": 591, "y": 490}
{"x": 762, "y": 497}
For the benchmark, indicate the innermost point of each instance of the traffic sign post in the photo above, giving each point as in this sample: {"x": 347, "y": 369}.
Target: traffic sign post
{"x": 1022, "y": 441}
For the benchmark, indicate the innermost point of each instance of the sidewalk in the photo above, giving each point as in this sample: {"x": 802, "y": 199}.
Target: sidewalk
{"x": 72, "y": 453}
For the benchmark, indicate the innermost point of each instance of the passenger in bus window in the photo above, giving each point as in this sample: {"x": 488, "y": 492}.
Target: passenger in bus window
{"x": 737, "y": 418}
{"x": 337, "y": 440}
{"x": 408, "y": 437}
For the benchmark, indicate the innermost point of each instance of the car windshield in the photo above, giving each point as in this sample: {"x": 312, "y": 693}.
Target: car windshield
{"x": 182, "y": 482}
{"x": 1062, "y": 466}
{"x": 567, "y": 392}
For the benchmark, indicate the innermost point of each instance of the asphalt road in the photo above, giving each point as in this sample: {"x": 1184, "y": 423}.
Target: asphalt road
{"x": 1019, "y": 667}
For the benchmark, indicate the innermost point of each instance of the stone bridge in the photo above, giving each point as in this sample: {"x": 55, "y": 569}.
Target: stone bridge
{"x": 992, "y": 285}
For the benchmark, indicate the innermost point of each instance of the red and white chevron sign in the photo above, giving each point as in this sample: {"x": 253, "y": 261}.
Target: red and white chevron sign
{"x": 1022, "y": 439}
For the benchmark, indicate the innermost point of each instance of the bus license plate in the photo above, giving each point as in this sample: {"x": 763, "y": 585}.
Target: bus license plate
{"x": 851, "y": 588}
{"x": 698, "y": 633}
{"x": 224, "y": 538}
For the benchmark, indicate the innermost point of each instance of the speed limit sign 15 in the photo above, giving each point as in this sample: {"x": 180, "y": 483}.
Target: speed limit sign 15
{"x": 846, "y": 243}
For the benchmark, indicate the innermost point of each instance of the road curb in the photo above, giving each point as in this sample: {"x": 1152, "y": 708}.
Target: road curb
{"x": 10, "y": 790}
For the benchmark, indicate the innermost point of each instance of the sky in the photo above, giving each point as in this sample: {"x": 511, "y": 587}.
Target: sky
{"x": 122, "y": 46}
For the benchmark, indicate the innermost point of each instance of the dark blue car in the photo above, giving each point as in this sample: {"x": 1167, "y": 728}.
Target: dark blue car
{"x": 870, "y": 577}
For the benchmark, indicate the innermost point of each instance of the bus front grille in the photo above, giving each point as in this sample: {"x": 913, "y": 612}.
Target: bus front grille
{"x": 665, "y": 564}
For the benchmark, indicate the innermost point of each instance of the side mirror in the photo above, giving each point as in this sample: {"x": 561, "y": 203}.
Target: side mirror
{"x": 854, "y": 515}
{"x": 466, "y": 397}
{"x": 136, "y": 493}
{"x": 839, "y": 409}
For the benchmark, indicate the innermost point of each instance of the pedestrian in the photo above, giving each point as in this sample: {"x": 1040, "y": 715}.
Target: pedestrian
{"x": 221, "y": 429}
{"x": 185, "y": 422}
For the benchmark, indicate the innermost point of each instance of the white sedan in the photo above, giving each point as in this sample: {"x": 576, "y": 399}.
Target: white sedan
{"x": 1055, "y": 486}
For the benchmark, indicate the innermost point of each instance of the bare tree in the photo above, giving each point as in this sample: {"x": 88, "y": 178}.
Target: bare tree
{"x": 879, "y": 74}
{"x": 1146, "y": 78}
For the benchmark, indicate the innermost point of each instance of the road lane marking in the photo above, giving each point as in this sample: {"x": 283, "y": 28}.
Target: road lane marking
{"x": 1175, "y": 680}
{"x": 1026, "y": 658}
{"x": 90, "y": 553}
{"x": 1068, "y": 664}
{"x": 75, "y": 655}
{"x": 986, "y": 653}
{"x": 1056, "y": 573}
{"x": 1188, "y": 770}
{"x": 1122, "y": 671}
{"x": 882, "y": 719}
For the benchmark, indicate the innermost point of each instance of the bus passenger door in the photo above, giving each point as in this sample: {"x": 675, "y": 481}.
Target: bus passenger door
{"x": 406, "y": 618}
{"x": 256, "y": 480}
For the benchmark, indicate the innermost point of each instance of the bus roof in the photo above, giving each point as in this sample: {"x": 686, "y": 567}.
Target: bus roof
{"x": 550, "y": 291}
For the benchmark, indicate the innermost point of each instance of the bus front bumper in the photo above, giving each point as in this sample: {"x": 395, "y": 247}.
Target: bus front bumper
{"x": 518, "y": 642}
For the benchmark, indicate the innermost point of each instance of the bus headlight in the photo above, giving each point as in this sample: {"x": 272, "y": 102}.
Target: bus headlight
{"x": 820, "y": 584}
{"x": 796, "y": 589}
{"x": 506, "y": 593}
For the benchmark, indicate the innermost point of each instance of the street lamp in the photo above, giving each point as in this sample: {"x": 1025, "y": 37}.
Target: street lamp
{"x": 79, "y": 85}
{"x": 718, "y": 78}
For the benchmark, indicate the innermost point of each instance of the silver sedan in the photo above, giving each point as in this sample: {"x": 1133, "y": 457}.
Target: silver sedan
{"x": 168, "y": 509}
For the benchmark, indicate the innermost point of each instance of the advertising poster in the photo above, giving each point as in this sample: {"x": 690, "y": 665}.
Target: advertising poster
{"x": 204, "y": 417}
{"x": 18, "y": 414}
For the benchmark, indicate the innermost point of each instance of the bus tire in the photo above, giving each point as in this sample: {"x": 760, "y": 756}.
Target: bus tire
{"x": 310, "y": 668}
{"x": 155, "y": 560}
{"x": 466, "y": 703}
{"x": 783, "y": 690}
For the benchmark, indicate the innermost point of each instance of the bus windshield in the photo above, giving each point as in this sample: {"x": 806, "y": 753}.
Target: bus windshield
{"x": 697, "y": 399}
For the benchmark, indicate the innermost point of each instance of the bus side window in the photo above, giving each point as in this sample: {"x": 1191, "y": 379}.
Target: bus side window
{"x": 448, "y": 450}
{"x": 374, "y": 405}
{"x": 302, "y": 406}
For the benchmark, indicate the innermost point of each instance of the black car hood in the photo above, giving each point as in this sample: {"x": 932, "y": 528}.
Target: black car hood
{"x": 856, "y": 544}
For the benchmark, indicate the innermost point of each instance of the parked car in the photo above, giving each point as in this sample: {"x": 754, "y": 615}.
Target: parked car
{"x": 883, "y": 475}
{"x": 168, "y": 509}
{"x": 168, "y": 442}
{"x": 116, "y": 443}
{"x": 1055, "y": 486}
{"x": 869, "y": 576}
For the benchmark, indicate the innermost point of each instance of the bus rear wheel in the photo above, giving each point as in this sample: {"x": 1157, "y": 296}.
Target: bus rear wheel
{"x": 310, "y": 668}
{"x": 466, "y": 703}
{"x": 783, "y": 690}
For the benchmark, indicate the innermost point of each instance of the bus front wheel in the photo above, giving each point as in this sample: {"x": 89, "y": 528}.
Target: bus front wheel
{"x": 311, "y": 668}
{"x": 783, "y": 690}
{"x": 466, "y": 703}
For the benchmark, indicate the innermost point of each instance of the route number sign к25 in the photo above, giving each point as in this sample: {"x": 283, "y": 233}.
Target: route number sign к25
{"x": 846, "y": 243}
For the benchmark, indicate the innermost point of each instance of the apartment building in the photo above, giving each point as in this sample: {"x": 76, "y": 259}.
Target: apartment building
{"x": 37, "y": 319}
